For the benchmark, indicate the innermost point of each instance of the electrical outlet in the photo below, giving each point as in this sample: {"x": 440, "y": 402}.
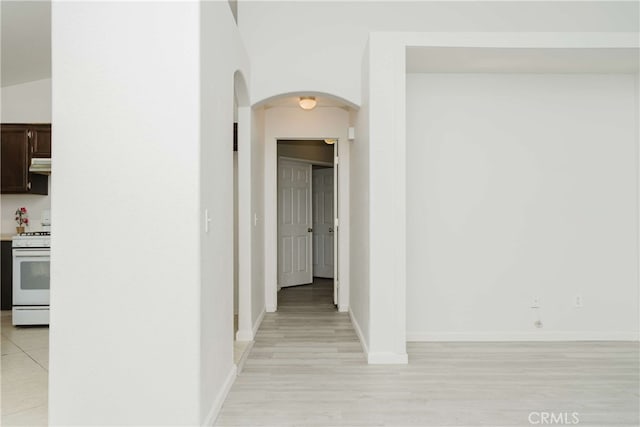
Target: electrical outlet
{"x": 577, "y": 301}
{"x": 535, "y": 302}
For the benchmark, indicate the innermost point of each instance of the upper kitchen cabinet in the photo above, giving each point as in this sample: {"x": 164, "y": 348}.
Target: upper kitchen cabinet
{"x": 41, "y": 141}
{"x": 19, "y": 144}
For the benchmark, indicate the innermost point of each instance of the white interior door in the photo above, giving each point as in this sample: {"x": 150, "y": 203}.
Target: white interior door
{"x": 294, "y": 223}
{"x": 323, "y": 222}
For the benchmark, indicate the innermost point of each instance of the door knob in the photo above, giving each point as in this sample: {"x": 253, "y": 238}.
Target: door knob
{"x": 309, "y": 229}
{"x": 330, "y": 229}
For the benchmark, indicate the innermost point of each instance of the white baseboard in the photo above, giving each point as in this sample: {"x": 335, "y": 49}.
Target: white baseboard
{"x": 343, "y": 308}
{"x": 244, "y": 357}
{"x": 220, "y": 398}
{"x": 257, "y": 324}
{"x": 244, "y": 336}
{"x": 377, "y": 358}
{"x": 271, "y": 309}
{"x": 359, "y": 333}
{"x": 384, "y": 358}
{"x": 522, "y": 336}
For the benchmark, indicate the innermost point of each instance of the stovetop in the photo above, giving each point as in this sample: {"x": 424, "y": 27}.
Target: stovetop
{"x": 32, "y": 239}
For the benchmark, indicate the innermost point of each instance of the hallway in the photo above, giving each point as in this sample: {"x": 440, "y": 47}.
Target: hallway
{"x": 307, "y": 369}
{"x": 304, "y": 358}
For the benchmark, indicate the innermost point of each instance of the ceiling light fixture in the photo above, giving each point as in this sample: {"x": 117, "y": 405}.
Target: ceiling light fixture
{"x": 307, "y": 102}
{"x": 330, "y": 141}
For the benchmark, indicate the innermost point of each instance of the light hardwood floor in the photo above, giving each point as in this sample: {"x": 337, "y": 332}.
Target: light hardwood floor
{"x": 307, "y": 369}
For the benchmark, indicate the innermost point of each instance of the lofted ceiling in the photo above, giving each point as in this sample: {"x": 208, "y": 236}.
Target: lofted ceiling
{"x": 25, "y": 41}
{"x": 26, "y": 55}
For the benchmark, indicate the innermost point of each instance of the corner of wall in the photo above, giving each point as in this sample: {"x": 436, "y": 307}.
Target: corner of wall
{"x": 361, "y": 337}
{"x": 257, "y": 323}
{"x": 216, "y": 405}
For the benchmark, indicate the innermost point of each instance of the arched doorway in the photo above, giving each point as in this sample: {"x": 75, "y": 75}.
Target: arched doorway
{"x": 285, "y": 120}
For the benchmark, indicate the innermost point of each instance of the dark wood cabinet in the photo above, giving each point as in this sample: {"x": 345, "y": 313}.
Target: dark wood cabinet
{"x": 6, "y": 279}
{"x": 18, "y": 145}
{"x": 14, "y": 155}
{"x": 41, "y": 141}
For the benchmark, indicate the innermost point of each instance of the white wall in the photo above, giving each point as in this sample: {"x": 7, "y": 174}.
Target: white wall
{"x": 221, "y": 55}
{"x": 387, "y": 191}
{"x": 25, "y": 103}
{"x": 332, "y": 35}
{"x": 522, "y": 186}
{"x": 295, "y": 123}
{"x": 125, "y": 314}
{"x": 257, "y": 219}
{"x": 35, "y": 204}
{"x": 359, "y": 216}
{"x": 386, "y": 90}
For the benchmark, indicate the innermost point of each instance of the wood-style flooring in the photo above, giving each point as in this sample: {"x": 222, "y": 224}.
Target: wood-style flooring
{"x": 307, "y": 368}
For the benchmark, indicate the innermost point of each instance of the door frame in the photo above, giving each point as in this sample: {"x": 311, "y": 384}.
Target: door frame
{"x": 271, "y": 218}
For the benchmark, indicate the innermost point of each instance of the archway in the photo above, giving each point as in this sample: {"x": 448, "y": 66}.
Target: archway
{"x": 285, "y": 120}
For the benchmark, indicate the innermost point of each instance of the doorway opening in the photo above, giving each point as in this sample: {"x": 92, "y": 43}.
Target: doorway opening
{"x": 307, "y": 206}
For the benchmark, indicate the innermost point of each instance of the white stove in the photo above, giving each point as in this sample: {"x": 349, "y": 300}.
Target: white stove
{"x": 32, "y": 239}
{"x": 31, "y": 254}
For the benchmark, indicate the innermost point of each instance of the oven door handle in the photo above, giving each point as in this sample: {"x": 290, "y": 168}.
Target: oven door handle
{"x": 20, "y": 253}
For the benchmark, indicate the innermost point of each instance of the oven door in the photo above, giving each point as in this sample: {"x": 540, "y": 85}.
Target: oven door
{"x": 31, "y": 276}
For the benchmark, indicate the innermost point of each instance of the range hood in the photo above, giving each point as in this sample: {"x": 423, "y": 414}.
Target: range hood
{"x": 40, "y": 166}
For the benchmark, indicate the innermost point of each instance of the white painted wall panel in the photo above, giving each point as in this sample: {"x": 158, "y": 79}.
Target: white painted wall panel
{"x": 219, "y": 38}
{"x": 359, "y": 216}
{"x": 522, "y": 186}
{"x": 125, "y": 318}
{"x": 257, "y": 218}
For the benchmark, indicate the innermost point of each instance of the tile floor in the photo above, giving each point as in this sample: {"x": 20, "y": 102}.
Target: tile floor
{"x": 25, "y": 373}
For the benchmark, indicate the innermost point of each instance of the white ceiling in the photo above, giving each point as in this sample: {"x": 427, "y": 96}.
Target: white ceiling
{"x": 26, "y": 41}
{"x": 26, "y": 55}
{"x": 520, "y": 60}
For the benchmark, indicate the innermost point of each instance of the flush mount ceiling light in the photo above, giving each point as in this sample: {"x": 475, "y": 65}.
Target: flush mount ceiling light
{"x": 330, "y": 141}
{"x": 307, "y": 102}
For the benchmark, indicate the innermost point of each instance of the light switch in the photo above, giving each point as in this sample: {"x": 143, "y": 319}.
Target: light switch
{"x": 207, "y": 220}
